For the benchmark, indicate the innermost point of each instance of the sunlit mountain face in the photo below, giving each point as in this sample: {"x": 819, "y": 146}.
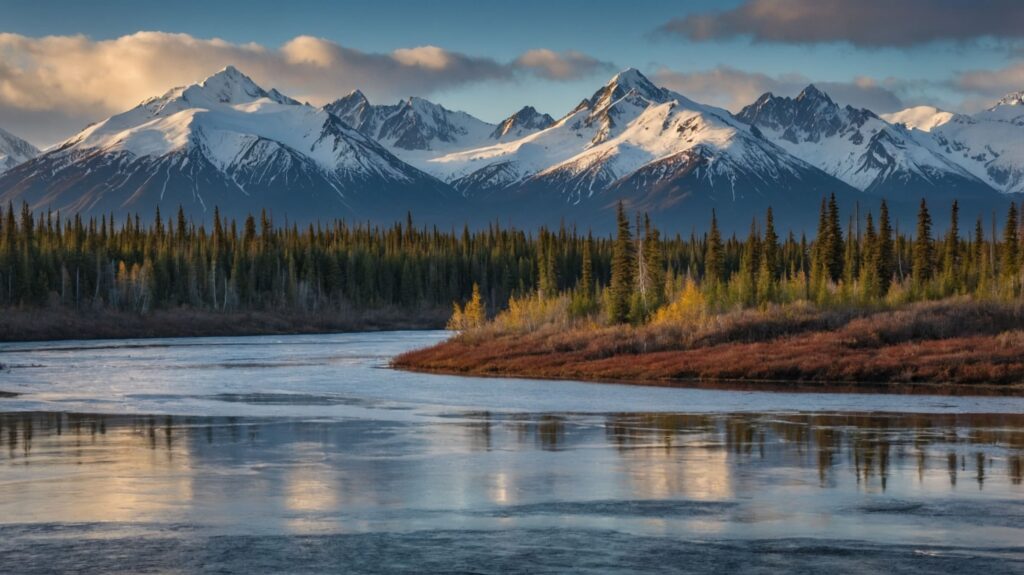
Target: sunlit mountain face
{"x": 229, "y": 143}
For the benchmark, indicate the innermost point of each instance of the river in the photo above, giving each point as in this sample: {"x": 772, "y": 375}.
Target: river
{"x": 307, "y": 453}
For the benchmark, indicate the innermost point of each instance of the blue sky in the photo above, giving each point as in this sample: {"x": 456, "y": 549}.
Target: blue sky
{"x": 726, "y": 58}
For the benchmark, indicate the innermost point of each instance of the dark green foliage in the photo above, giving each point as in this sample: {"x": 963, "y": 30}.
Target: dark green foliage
{"x": 100, "y": 263}
{"x": 620, "y": 291}
{"x": 924, "y": 257}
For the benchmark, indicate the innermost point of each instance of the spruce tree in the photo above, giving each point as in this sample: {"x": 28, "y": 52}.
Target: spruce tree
{"x": 834, "y": 241}
{"x": 654, "y": 266}
{"x": 620, "y": 289}
{"x": 1009, "y": 260}
{"x": 885, "y": 258}
{"x": 870, "y": 287}
{"x": 586, "y": 285}
{"x": 951, "y": 259}
{"x": 923, "y": 256}
{"x": 770, "y": 245}
{"x": 714, "y": 257}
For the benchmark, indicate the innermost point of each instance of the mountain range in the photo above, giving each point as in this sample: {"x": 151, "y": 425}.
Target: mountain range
{"x": 230, "y": 143}
{"x": 14, "y": 151}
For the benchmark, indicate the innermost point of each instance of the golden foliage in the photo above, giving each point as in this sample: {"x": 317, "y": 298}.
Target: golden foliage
{"x": 688, "y": 307}
{"x": 472, "y": 316}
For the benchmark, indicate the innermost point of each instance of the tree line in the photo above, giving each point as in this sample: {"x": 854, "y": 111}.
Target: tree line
{"x": 139, "y": 264}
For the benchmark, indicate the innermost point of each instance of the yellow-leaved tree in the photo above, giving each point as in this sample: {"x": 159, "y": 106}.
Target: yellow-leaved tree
{"x": 471, "y": 316}
{"x": 688, "y": 307}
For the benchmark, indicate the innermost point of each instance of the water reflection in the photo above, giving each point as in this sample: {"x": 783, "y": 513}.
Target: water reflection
{"x": 775, "y": 471}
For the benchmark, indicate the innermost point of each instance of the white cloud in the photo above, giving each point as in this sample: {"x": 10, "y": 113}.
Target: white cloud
{"x": 80, "y": 79}
{"x": 553, "y": 65}
{"x": 732, "y": 89}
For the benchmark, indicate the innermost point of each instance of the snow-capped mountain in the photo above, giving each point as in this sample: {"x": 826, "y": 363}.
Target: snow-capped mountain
{"x": 226, "y": 142}
{"x": 651, "y": 147}
{"x": 414, "y": 124}
{"x": 14, "y": 151}
{"x": 858, "y": 147}
{"x": 919, "y": 117}
{"x": 419, "y": 131}
{"x": 990, "y": 144}
{"x": 523, "y": 123}
{"x": 596, "y": 119}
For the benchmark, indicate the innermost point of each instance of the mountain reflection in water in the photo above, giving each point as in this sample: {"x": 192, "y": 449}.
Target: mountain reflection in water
{"x": 880, "y": 480}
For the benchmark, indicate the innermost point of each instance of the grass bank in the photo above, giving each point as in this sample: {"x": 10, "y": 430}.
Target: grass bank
{"x": 954, "y": 346}
{"x": 40, "y": 324}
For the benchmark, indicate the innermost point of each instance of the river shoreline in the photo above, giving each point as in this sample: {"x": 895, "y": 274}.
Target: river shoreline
{"x": 944, "y": 348}
{"x": 56, "y": 324}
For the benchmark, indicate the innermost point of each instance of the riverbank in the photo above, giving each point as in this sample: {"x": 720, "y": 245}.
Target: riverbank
{"x": 44, "y": 324}
{"x": 951, "y": 347}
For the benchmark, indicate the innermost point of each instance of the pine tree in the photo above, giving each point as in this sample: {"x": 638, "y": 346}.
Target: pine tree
{"x": 654, "y": 266}
{"x": 870, "y": 286}
{"x": 746, "y": 279}
{"x": 923, "y": 266}
{"x": 834, "y": 241}
{"x": 586, "y": 285}
{"x": 1009, "y": 261}
{"x": 768, "y": 265}
{"x": 951, "y": 260}
{"x": 714, "y": 262}
{"x": 620, "y": 290}
{"x": 770, "y": 245}
{"x": 885, "y": 259}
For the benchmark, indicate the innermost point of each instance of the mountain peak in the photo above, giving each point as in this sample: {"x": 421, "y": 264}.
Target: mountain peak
{"x": 1012, "y": 99}
{"x": 621, "y": 84}
{"x": 227, "y": 86}
{"x": 356, "y": 95}
{"x": 228, "y": 75}
{"x": 629, "y": 76}
{"x": 525, "y": 121}
{"x": 813, "y": 94}
{"x": 632, "y": 79}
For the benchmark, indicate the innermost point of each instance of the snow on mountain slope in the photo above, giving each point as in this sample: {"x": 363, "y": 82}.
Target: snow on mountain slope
{"x": 414, "y": 124}
{"x": 924, "y": 118}
{"x": 989, "y": 144}
{"x": 225, "y": 141}
{"x": 858, "y": 147}
{"x": 596, "y": 119}
{"x": 419, "y": 131}
{"x": 14, "y": 151}
{"x": 627, "y": 124}
{"x": 523, "y": 123}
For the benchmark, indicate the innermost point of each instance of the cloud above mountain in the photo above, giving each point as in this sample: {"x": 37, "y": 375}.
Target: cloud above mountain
{"x": 864, "y": 23}
{"x": 732, "y": 89}
{"x": 570, "y": 65}
{"x": 988, "y": 84}
{"x": 83, "y": 80}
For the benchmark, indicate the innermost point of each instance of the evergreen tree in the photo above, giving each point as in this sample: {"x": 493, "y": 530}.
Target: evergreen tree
{"x": 923, "y": 259}
{"x": 620, "y": 290}
{"x": 1009, "y": 261}
{"x": 833, "y": 241}
{"x": 714, "y": 259}
{"x": 870, "y": 286}
{"x": 885, "y": 259}
{"x": 951, "y": 259}
{"x": 654, "y": 266}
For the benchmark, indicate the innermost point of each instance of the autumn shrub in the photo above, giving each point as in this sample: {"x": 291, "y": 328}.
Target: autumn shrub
{"x": 531, "y": 312}
{"x": 1011, "y": 339}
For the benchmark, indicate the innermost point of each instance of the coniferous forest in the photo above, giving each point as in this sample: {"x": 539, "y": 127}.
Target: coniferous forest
{"x": 145, "y": 264}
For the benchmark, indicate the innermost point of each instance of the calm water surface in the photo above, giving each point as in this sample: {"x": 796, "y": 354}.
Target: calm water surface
{"x": 305, "y": 453}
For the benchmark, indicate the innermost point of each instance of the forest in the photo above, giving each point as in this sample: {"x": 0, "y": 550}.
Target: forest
{"x": 141, "y": 265}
